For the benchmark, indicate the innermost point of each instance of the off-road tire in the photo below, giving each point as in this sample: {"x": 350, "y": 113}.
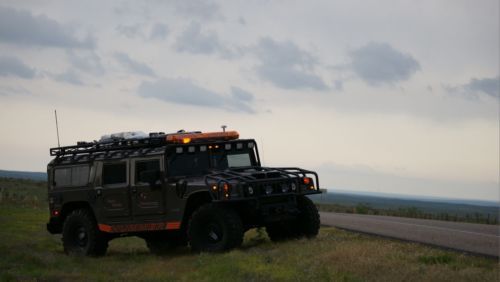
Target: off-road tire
{"x": 308, "y": 221}
{"x": 306, "y": 224}
{"x": 215, "y": 229}
{"x": 81, "y": 236}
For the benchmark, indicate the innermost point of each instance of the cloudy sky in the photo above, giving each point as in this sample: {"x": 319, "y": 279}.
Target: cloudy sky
{"x": 383, "y": 96}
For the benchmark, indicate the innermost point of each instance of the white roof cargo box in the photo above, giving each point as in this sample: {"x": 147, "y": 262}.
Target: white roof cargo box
{"x": 123, "y": 135}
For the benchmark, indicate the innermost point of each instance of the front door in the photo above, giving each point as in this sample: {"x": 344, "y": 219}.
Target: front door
{"x": 146, "y": 187}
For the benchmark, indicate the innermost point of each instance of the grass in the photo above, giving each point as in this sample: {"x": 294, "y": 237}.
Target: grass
{"x": 29, "y": 253}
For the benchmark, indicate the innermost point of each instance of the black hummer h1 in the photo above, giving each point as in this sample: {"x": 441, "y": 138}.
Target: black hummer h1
{"x": 201, "y": 189}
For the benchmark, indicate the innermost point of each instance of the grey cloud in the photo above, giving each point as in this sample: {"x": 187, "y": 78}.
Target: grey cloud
{"x": 489, "y": 86}
{"x": 475, "y": 88}
{"x": 287, "y": 66}
{"x": 283, "y": 54}
{"x": 339, "y": 85}
{"x": 69, "y": 76}
{"x": 133, "y": 65}
{"x": 289, "y": 78}
{"x": 242, "y": 21}
{"x": 88, "y": 62}
{"x": 379, "y": 63}
{"x": 21, "y": 27}
{"x": 240, "y": 100}
{"x": 204, "y": 10}
{"x": 240, "y": 94}
{"x": 159, "y": 31}
{"x": 194, "y": 41}
{"x": 183, "y": 91}
{"x": 130, "y": 31}
{"x": 12, "y": 66}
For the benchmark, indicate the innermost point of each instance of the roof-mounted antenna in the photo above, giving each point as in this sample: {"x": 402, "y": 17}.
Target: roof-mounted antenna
{"x": 224, "y": 128}
{"x": 57, "y": 129}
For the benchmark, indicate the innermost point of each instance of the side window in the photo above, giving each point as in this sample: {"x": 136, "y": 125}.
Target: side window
{"x": 71, "y": 176}
{"x": 79, "y": 175}
{"x": 62, "y": 177}
{"x": 150, "y": 166}
{"x": 114, "y": 173}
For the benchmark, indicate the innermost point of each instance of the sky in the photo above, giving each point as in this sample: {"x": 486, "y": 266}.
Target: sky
{"x": 379, "y": 96}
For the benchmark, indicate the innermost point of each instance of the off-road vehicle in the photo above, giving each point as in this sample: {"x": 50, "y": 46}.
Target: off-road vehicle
{"x": 201, "y": 189}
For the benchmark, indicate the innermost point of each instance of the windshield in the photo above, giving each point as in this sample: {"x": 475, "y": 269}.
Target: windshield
{"x": 188, "y": 164}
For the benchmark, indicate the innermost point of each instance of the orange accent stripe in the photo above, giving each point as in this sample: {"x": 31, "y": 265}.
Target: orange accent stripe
{"x": 173, "y": 225}
{"x": 105, "y": 228}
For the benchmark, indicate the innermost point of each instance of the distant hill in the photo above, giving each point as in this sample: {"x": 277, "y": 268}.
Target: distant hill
{"x": 40, "y": 176}
{"x": 414, "y": 197}
{"x": 388, "y": 201}
{"x": 438, "y": 208}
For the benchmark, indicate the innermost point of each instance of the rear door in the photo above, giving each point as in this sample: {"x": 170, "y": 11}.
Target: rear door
{"x": 113, "y": 190}
{"x": 147, "y": 193}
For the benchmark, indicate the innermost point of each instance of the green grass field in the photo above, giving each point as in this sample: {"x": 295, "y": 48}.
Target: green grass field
{"x": 28, "y": 252}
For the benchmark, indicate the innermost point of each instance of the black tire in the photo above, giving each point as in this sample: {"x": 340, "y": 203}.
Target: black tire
{"x": 81, "y": 237}
{"x": 308, "y": 221}
{"x": 215, "y": 229}
{"x": 306, "y": 224}
{"x": 163, "y": 244}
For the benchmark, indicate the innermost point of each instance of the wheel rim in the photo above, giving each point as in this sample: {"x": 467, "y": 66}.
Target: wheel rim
{"x": 80, "y": 236}
{"x": 213, "y": 233}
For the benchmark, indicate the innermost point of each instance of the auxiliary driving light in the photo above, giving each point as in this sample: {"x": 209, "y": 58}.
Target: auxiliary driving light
{"x": 284, "y": 187}
{"x": 269, "y": 189}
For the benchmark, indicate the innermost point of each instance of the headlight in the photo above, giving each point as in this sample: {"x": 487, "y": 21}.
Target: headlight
{"x": 250, "y": 190}
{"x": 293, "y": 186}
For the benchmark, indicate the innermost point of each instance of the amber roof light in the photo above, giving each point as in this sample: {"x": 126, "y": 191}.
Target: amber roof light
{"x": 184, "y": 138}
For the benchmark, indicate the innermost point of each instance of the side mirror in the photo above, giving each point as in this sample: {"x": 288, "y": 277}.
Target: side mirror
{"x": 149, "y": 176}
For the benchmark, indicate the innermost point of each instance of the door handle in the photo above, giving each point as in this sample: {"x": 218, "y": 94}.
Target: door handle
{"x": 134, "y": 190}
{"x": 98, "y": 193}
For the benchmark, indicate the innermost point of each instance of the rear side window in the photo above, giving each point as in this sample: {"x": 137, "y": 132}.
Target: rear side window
{"x": 114, "y": 173}
{"x": 62, "y": 177}
{"x": 79, "y": 176}
{"x": 71, "y": 176}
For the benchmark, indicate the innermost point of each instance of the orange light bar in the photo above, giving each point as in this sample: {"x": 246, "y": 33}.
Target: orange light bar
{"x": 185, "y": 138}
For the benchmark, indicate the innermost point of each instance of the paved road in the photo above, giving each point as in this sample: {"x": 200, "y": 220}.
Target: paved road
{"x": 475, "y": 238}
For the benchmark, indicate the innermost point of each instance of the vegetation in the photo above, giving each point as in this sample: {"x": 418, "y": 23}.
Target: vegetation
{"x": 30, "y": 253}
{"x": 407, "y": 208}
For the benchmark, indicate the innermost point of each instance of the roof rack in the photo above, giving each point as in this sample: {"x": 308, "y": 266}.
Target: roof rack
{"x": 92, "y": 147}
{"x": 154, "y": 140}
